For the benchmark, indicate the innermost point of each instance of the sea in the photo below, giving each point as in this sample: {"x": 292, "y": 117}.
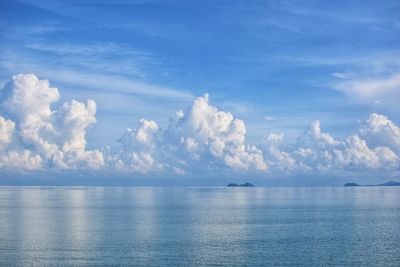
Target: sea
{"x": 198, "y": 226}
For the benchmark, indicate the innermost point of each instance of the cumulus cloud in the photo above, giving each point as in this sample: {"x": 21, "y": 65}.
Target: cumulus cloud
{"x": 35, "y": 136}
{"x": 378, "y": 130}
{"x": 141, "y": 148}
{"x": 199, "y": 140}
{"x": 7, "y": 128}
{"x": 202, "y": 137}
{"x": 374, "y": 147}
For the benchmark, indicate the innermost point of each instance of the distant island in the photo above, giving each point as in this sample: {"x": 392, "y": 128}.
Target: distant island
{"x": 351, "y": 184}
{"x": 390, "y": 183}
{"x": 240, "y": 185}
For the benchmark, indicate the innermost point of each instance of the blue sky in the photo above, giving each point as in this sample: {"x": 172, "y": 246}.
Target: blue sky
{"x": 276, "y": 65}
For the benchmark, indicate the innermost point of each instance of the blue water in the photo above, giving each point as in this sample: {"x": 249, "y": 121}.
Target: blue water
{"x": 81, "y": 226}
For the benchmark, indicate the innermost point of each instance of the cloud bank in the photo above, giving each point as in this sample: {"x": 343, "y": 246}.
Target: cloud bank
{"x": 374, "y": 147}
{"x": 38, "y": 133}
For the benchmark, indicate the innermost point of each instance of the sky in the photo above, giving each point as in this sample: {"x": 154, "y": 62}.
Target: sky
{"x": 281, "y": 92}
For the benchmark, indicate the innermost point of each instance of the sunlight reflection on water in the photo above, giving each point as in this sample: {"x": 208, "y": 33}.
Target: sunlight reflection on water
{"x": 150, "y": 226}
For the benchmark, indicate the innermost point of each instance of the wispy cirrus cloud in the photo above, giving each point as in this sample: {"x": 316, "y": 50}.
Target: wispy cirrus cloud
{"x": 42, "y": 28}
{"x": 86, "y": 50}
{"x": 124, "y": 73}
{"x": 372, "y": 61}
{"x": 270, "y": 118}
{"x": 372, "y": 79}
{"x": 100, "y": 57}
{"x": 103, "y": 82}
{"x": 372, "y": 88}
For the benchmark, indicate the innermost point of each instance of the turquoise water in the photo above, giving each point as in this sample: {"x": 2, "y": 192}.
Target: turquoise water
{"x": 81, "y": 226}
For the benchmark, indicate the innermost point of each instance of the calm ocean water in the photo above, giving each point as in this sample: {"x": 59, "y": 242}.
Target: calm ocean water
{"x": 80, "y": 226}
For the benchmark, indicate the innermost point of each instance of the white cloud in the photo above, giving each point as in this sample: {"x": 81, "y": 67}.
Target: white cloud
{"x": 141, "y": 148}
{"x": 371, "y": 79}
{"x": 278, "y": 159}
{"x": 371, "y": 88}
{"x": 319, "y": 151}
{"x": 314, "y": 138}
{"x": 378, "y": 130}
{"x": 20, "y": 160}
{"x": 36, "y": 136}
{"x": 209, "y": 133}
{"x": 88, "y": 50}
{"x": 27, "y": 96}
{"x": 200, "y": 140}
{"x": 269, "y": 118}
{"x": 7, "y": 128}
{"x": 202, "y": 137}
{"x": 356, "y": 154}
{"x": 341, "y": 75}
{"x": 93, "y": 80}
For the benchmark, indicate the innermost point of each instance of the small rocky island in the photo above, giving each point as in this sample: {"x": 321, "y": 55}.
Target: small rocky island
{"x": 390, "y": 183}
{"x": 351, "y": 184}
{"x": 240, "y": 185}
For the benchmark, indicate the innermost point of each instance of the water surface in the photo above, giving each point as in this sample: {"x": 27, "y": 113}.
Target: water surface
{"x": 81, "y": 226}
